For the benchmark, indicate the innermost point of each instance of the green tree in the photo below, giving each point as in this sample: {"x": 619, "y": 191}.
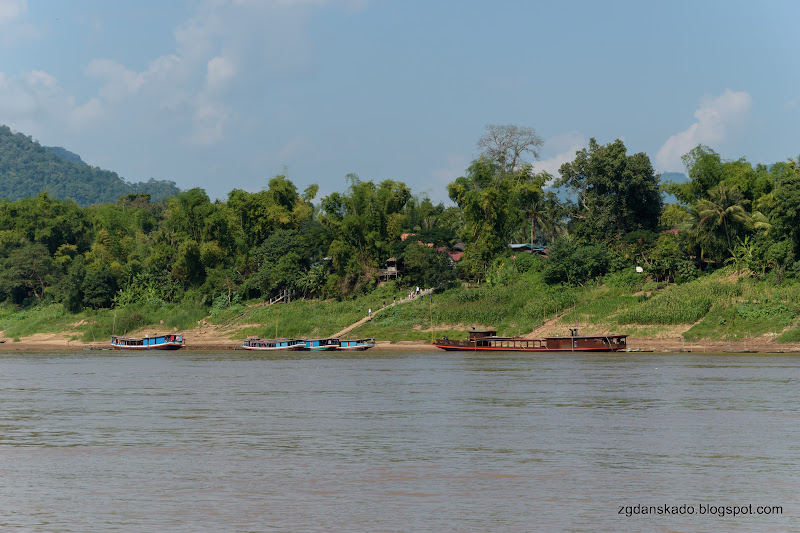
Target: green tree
{"x": 188, "y": 212}
{"x": 616, "y": 193}
{"x": 490, "y": 215}
{"x": 424, "y": 266}
{"x": 99, "y": 287}
{"x": 312, "y": 281}
{"x": 707, "y": 171}
{"x": 71, "y": 286}
{"x": 281, "y": 263}
{"x": 532, "y": 202}
{"x": 28, "y": 271}
{"x": 785, "y": 211}
{"x": 704, "y": 168}
{"x": 361, "y": 226}
{"x": 724, "y": 208}
{"x": 574, "y": 264}
{"x": 258, "y": 215}
{"x": 188, "y": 266}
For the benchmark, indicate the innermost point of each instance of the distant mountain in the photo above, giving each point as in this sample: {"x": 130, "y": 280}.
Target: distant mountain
{"x": 674, "y": 177}
{"x": 63, "y": 153}
{"x": 27, "y": 169}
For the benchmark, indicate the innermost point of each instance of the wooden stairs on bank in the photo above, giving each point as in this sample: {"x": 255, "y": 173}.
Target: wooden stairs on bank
{"x": 367, "y": 318}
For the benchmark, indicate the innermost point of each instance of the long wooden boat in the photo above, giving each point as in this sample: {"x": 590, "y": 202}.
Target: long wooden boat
{"x": 255, "y": 343}
{"x": 149, "y": 342}
{"x": 358, "y": 344}
{"x": 489, "y": 341}
{"x": 320, "y": 344}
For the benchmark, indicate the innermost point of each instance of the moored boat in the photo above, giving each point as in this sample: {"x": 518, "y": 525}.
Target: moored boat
{"x": 358, "y": 344}
{"x": 148, "y": 342}
{"x": 255, "y": 343}
{"x": 489, "y": 341}
{"x": 320, "y": 344}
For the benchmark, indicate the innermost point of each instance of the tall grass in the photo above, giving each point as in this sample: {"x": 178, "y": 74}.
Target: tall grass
{"x": 51, "y": 318}
{"x": 681, "y": 304}
{"x": 602, "y": 307}
{"x": 511, "y": 309}
{"x": 300, "y": 318}
{"x": 674, "y": 306}
{"x": 150, "y": 317}
{"x": 759, "y": 310}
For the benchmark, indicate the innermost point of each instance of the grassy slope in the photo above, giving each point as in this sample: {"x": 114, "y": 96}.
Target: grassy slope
{"x": 721, "y": 306}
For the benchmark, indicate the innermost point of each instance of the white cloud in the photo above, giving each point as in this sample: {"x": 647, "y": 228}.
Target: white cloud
{"x": 221, "y": 47}
{"x": 42, "y": 82}
{"x": 12, "y": 10}
{"x": 15, "y": 98}
{"x": 86, "y": 115}
{"x": 15, "y": 28}
{"x": 32, "y": 102}
{"x": 119, "y": 82}
{"x": 564, "y": 147}
{"x": 716, "y": 117}
{"x": 208, "y": 119}
{"x": 219, "y": 72}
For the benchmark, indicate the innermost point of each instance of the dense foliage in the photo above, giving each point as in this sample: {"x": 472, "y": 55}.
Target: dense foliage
{"x": 27, "y": 169}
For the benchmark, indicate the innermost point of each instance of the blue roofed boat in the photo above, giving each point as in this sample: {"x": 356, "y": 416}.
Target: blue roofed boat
{"x": 255, "y": 343}
{"x": 359, "y": 344}
{"x": 320, "y": 344}
{"x": 149, "y": 342}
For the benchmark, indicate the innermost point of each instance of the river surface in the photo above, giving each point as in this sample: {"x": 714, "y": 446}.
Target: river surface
{"x": 372, "y": 442}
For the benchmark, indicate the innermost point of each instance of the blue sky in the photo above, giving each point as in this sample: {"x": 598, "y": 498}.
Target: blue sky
{"x": 225, "y": 94}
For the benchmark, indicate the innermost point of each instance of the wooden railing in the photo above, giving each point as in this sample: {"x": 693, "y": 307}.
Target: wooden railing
{"x": 285, "y": 296}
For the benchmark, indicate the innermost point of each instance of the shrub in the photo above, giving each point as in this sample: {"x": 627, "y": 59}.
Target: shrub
{"x": 627, "y": 280}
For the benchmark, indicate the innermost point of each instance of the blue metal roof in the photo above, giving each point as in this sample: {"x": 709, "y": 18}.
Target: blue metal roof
{"x": 527, "y": 246}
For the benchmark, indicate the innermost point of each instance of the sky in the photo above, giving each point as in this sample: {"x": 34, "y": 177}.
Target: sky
{"x": 226, "y": 94}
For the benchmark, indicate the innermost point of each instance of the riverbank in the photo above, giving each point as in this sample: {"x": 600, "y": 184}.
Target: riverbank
{"x": 752, "y": 317}
{"x": 208, "y": 342}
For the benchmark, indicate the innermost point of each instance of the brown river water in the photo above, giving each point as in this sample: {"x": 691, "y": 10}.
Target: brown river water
{"x": 374, "y": 442}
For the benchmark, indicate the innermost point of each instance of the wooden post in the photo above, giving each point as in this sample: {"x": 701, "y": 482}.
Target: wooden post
{"x": 431, "y": 311}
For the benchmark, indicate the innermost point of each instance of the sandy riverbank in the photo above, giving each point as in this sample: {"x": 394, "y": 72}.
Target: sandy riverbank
{"x": 205, "y": 341}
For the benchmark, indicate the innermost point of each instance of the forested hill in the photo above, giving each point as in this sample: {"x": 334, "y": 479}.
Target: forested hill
{"x": 28, "y": 168}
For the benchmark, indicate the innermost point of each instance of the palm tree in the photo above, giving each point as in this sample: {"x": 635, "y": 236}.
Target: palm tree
{"x": 794, "y": 164}
{"x": 724, "y": 207}
{"x": 552, "y": 221}
{"x": 535, "y": 213}
{"x": 544, "y": 221}
{"x": 312, "y": 280}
